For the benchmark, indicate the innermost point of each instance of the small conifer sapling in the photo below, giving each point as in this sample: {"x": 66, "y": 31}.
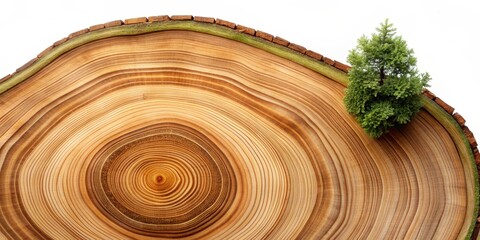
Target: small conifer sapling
{"x": 385, "y": 85}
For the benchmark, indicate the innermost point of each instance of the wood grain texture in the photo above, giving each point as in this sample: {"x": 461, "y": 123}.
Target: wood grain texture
{"x": 189, "y": 135}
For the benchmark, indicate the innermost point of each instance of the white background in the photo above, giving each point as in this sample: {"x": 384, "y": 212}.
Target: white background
{"x": 444, "y": 34}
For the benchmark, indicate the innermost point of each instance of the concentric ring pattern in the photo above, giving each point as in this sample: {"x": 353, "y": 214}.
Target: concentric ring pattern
{"x": 181, "y": 134}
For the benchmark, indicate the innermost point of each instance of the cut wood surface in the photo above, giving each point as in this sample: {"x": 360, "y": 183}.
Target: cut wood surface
{"x": 183, "y": 134}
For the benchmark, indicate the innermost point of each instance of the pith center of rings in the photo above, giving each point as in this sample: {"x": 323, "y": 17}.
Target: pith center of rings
{"x": 161, "y": 180}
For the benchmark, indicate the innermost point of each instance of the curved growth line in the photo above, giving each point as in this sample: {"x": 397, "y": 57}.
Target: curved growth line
{"x": 466, "y": 145}
{"x": 316, "y": 62}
